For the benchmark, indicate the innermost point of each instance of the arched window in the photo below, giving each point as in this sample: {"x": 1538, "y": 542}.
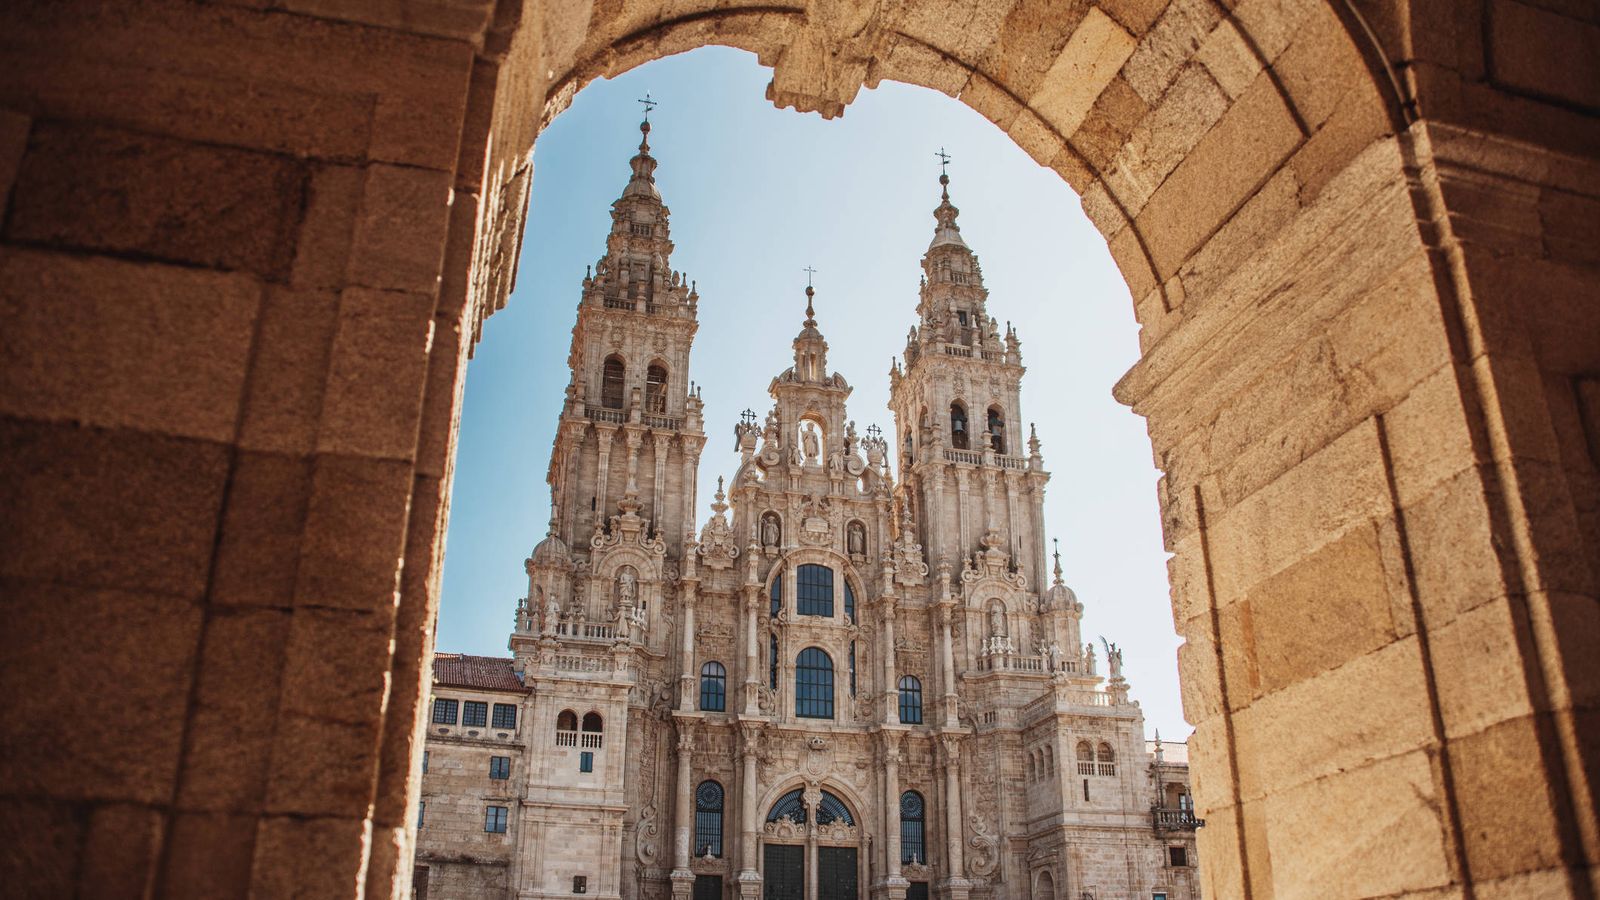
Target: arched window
{"x": 593, "y": 728}
{"x": 1085, "y": 758}
{"x": 1047, "y": 887}
{"x": 813, "y": 684}
{"x": 831, "y": 809}
{"x": 772, "y": 661}
{"x": 655, "y": 389}
{"x": 910, "y": 700}
{"x": 713, "y": 687}
{"x": 567, "y": 729}
{"x": 1031, "y": 774}
{"x": 1108, "y": 760}
{"x": 997, "y": 430}
{"x": 777, "y": 593}
{"x": 958, "y": 426}
{"x": 849, "y": 602}
{"x": 913, "y": 828}
{"x": 790, "y": 806}
{"x": 611, "y": 383}
{"x": 708, "y": 819}
{"x": 814, "y": 591}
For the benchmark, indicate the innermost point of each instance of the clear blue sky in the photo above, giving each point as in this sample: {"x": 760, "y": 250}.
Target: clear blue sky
{"x": 756, "y": 194}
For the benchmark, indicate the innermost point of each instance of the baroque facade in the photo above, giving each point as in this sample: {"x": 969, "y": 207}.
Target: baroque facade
{"x": 858, "y": 677}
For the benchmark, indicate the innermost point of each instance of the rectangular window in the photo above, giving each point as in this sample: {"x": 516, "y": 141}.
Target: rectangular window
{"x": 708, "y": 887}
{"x": 1159, "y": 895}
{"x": 444, "y": 711}
{"x": 1086, "y": 789}
{"x": 424, "y": 762}
{"x": 814, "y": 591}
{"x": 1178, "y": 856}
{"x": 505, "y": 715}
{"x": 422, "y": 809}
{"x": 475, "y": 714}
{"x": 494, "y": 819}
{"x": 586, "y": 762}
{"x": 580, "y": 884}
{"x": 499, "y": 767}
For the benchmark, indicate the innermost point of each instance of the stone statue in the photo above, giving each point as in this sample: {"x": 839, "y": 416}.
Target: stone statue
{"x": 836, "y": 462}
{"x": 997, "y": 621}
{"x": 552, "y": 613}
{"x": 857, "y": 539}
{"x": 1114, "y": 660}
{"x": 627, "y": 586}
{"x": 1088, "y": 653}
{"x": 809, "y": 440}
{"x": 769, "y": 531}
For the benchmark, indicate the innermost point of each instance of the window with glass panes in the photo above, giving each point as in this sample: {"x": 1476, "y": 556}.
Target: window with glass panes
{"x": 813, "y": 684}
{"x": 713, "y": 687}
{"x": 444, "y": 711}
{"x": 777, "y": 594}
{"x": 494, "y": 819}
{"x": 913, "y": 828}
{"x": 910, "y": 700}
{"x": 814, "y": 590}
{"x": 708, "y": 819}
{"x": 505, "y": 715}
{"x": 586, "y": 761}
{"x": 772, "y": 661}
{"x": 499, "y": 767}
{"x": 849, "y": 601}
{"x": 474, "y": 714}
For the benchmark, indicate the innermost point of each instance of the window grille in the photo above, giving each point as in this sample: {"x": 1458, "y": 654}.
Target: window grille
{"x": 1108, "y": 760}
{"x": 444, "y": 711}
{"x": 611, "y": 383}
{"x": 708, "y": 819}
{"x": 814, "y": 590}
{"x": 505, "y": 715}
{"x": 913, "y": 828}
{"x": 655, "y": 390}
{"x": 474, "y": 714}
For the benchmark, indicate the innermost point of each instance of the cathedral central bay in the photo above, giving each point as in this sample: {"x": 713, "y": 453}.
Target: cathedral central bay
{"x": 861, "y": 676}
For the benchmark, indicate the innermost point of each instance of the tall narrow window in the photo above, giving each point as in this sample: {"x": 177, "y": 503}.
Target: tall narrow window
{"x": 913, "y": 828}
{"x": 772, "y": 661}
{"x": 713, "y": 687}
{"x": 708, "y": 819}
{"x": 958, "y": 427}
{"x": 813, "y": 684}
{"x": 814, "y": 591}
{"x": 852, "y": 668}
{"x": 1085, "y": 758}
{"x": 1108, "y": 760}
{"x": 777, "y": 594}
{"x": 849, "y": 602}
{"x": 586, "y": 761}
{"x": 910, "y": 700}
{"x": 611, "y": 383}
{"x": 593, "y": 730}
{"x": 567, "y": 729}
{"x": 655, "y": 390}
{"x": 997, "y": 430}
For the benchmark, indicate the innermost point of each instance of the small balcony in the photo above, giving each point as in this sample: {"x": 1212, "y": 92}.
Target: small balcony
{"x": 1165, "y": 819}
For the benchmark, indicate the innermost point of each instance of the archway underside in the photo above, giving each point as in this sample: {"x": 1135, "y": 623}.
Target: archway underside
{"x": 248, "y": 252}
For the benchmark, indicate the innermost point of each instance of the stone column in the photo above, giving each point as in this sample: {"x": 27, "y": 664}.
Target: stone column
{"x": 604, "y": 434}
{"x": 891, "y": 684}
{"x": 686, "y": 676}
{"x": 635, "y": 437}
{"x": 963, "y": 527}
{"x": 749, "y": 877}
{"x": 659, "y": 443}
{"x": 752, "y": 644}
{"x": 947, "y": 663}
{"x": 955, "y": 884}
{"x": 894, "y": 883}
{"x": 682, "y": 877}
{"x": 812, "y": 798}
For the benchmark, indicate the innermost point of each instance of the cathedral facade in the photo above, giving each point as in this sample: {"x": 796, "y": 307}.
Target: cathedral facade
{"x": 861, "y": 676}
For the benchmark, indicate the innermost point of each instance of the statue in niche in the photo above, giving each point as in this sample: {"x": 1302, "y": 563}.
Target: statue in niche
{"x": 811, "y": 443}
{"x": 627, "y": 586}
{"x": 552, "y": 613}
{"x": 997, "y": 621}
{"x": 856, "y": 539}
{"x": 771, "y": 532}
{"x": 836, "y": 463}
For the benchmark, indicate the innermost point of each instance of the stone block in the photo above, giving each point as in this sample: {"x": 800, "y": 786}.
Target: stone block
{"x": 398, "y": 241}
{"x": 209, "y": 856}
{"x": 13, "y": 143}
{"x": 1272, "y": 24}
{"x": 1320, "y": 65}
{"x": 228, "y": 755}
{"x": 1254, "y": 224}
{"x": 914, "y": 62}
{"x": 355, "y": 529}
{"x": 309, "y": 857}
{"x": 372, "y": 402}
{"x": 1387, "y": 811}
{"x": 289, "y": 371}
{"x": 259, "y": 550}
{"x": 1111, "y": 119}
{"x": 1371, "y": 708}
{"x": 1566, "y": 220}
{"x": 1544, "y": 53}
{"x": 322, "y": 768}
{"x": 1130, "y": 256}
{"x": 1509, "y": 822}
{"x": 1458, "y": 560}
{"x": 1479, "y": 668}
{"x": 322, "y": 250}
{"x": 143, "y": 648}
{"x": 1211, "y": 767}
{"x": 109, "y": 191}
{"x": 113, "y": 509}
{"x": 1356, "y": 122}
{"x": 1086, "y": 65}
{"x": 41, "y": 844}
{"x": 1217, "y": 844}
{"x": 122, "y": 344}
{"x": 1237, "y": 156}
{"x": 462, "y": 20}
{"x": 991, "y": 101}
{"x": 1134, "y": 15}
{"x": 1227, "y": 55}
{"x": 121, "y": 852}
{"x": 1160, "y": 141}
{"x": 1036, "y": 138}
{"x": 1168, "y": 45}
{"x": 349, "y": 686}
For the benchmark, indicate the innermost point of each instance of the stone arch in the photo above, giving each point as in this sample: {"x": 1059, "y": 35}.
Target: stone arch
{"x": 1044, "y": 886}
{"x": 837, "y": 787}
{"x": 1237, "y": 280}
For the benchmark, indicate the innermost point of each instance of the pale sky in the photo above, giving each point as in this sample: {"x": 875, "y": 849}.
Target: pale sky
{"x": 757, "y": 194}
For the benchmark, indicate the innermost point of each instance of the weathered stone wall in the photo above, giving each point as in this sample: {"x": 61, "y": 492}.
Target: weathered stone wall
{"x": 247, "y": 251}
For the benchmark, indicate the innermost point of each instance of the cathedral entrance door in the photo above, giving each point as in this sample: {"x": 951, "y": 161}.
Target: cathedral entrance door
{"x": 836, "y": 873}
{"x": 784, "y": 876}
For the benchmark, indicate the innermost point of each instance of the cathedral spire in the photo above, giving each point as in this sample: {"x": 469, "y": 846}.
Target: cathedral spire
{"x": 1057, "y": 544}
{"x": 947, "y": 231}
{"x": 643, "y": 180}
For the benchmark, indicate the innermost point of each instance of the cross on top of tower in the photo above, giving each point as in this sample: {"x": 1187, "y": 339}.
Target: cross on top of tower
{"x": 944, "y": 176}
{"x": 944, "y": 160}
{"x": 809, "y": 272}
{"x": 748, "y": 417}
{"x": 874, "y": 432}
{"x": 648, "y": 105}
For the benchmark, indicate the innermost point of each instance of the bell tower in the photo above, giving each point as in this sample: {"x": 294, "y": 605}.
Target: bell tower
{"x": 973, "y": 477}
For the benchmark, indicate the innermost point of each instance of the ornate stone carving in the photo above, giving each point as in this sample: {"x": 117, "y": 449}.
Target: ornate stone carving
{"x": 717, "y": 547}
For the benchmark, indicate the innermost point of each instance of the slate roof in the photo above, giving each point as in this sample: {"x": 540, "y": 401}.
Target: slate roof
{"x": 485, "y": 673}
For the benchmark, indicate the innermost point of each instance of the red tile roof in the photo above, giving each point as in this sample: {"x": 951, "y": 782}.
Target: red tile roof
{"x": 487, "y": 673}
